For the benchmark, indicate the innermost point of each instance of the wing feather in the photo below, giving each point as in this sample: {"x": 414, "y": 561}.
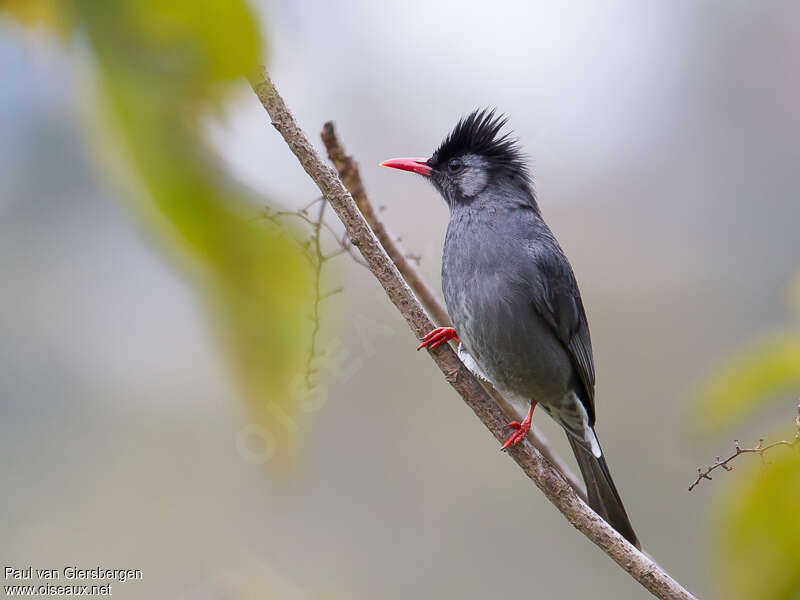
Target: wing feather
{"x": 560, "y": 305}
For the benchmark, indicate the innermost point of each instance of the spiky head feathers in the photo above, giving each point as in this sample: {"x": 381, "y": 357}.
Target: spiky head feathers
{"x": 479, "y": 133}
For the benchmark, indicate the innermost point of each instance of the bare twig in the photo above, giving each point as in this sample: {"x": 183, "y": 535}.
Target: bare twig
{"x": 642, "y": 568}
{"x": 347, "y": 168}
{"x": 319, "y": 259}
{"x": 312, "y": 249}
{"x": 759, "y": 449}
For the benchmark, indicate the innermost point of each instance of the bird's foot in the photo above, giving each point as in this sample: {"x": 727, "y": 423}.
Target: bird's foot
{"x": 521, "y": 429}
{"x": 437, "y": 337}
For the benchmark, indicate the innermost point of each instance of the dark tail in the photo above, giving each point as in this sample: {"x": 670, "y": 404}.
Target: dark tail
{"x": 603, "y": 496}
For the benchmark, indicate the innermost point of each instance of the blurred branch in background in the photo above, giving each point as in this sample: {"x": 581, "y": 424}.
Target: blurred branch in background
{"x": 347, "y": 167}
{"x": 348, "y": 171}
{"x": 759, "y": 449}
{"x": 160, "y": 70}
{"x": 641, "y": 567}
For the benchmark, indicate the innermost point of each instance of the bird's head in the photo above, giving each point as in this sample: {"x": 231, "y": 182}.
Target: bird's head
{"x": 471, "y": 159}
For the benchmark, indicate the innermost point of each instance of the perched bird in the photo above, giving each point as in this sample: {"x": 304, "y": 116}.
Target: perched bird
{"x": 512, "y": 295}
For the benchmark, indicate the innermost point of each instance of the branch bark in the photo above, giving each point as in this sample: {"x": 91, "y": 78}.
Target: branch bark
{"x": 347, "y": 167}
{"x": 534, "y": 465}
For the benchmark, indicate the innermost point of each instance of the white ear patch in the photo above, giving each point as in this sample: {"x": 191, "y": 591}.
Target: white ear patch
{"x": 472, "y": 182}
{"x": 474, "y": 178}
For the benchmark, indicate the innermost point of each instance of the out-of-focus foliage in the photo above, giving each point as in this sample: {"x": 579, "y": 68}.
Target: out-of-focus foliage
{"x": 160, "y": 69}
{"x": 764, "y": 370}
{"x": 761, "y": 372}
{"x": 55, "y": 15}
{"x": 757, "y": 530}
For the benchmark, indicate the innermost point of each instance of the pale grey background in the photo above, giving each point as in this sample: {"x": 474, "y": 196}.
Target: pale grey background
{"x": 663, "y": 138}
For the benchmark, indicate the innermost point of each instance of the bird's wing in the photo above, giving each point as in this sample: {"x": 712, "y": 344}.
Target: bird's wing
{"x": 559, "y": 303}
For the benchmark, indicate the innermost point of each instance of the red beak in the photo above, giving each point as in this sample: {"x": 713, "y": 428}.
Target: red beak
{"x": 416, "y": 165}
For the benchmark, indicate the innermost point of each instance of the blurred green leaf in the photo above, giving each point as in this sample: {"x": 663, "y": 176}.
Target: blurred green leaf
{"x": 758, "y": 533}
{"x": 757, "y": 530}
{"x": 54, "y": 15}
{"x": 761, "y": 372}
{"x": 161, "y": 69}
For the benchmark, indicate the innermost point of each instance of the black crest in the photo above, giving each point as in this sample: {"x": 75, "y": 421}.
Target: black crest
{"x": 479, "y": 133}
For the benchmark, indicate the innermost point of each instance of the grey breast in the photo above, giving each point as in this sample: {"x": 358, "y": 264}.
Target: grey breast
{"x": 489, "y": 274}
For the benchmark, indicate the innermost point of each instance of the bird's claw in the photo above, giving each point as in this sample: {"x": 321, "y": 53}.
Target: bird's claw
{"x": 437, "y": 337}
{"x": 521, "y": 431}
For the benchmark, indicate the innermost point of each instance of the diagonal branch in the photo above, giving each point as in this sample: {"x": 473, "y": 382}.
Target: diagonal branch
{"x": 349, "y": 173}
{"x": 537, "y": 468}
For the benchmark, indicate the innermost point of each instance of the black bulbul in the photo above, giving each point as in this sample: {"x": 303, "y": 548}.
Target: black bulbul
{"x": 512, "y": 296}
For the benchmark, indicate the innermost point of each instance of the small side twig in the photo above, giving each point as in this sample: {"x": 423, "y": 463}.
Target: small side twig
{"x": 313, "y": 250}
{"x": 319, "y": 259}
{"x": 759, "y": 449}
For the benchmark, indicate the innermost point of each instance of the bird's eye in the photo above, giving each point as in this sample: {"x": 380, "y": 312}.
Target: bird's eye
{"x": 455, "y": 165}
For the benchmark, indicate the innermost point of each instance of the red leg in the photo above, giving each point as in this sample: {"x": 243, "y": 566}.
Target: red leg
{"x": 522, "y": 429}
{"x": 437, "y": 337}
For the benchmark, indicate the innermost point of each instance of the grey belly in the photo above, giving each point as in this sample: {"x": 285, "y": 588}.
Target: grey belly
{"x": 513, "y": 346}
